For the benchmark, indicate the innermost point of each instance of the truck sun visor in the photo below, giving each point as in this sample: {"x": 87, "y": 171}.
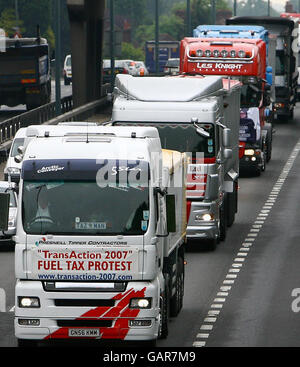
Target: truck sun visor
{"x": 134, "y": 172}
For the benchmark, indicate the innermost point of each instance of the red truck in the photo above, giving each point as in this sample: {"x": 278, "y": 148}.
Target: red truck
{"x": 245, "y": 60}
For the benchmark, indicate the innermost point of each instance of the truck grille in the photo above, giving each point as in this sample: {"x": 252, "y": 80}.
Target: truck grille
{"x": 84, "y": 323}
{"x": 84, "y": 287}
{"x": 196, "y": 185}
{"x": 84, "y": 302}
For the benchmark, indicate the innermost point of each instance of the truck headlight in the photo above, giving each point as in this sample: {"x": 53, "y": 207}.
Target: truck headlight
{"x": 12, "y": 222}
{"x": 144, "y": 303}
{"x": 249, "y": 152}
{"x": 28, "y": 302}
{"x": 207, "y": 217}
{"x": 12, "y": 171}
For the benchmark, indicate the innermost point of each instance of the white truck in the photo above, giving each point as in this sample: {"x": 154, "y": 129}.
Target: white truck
{"x": 199, "y": 116}
{"x": 100, "y": 234}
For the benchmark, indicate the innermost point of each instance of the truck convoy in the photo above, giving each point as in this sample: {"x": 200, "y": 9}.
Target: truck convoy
{"x": 100, "y": 234}
{"x": 25, "y": 72}
{"x": 286, "y": 74}
{"x": 245, "y": 60}
{"x": 198, "y": 116}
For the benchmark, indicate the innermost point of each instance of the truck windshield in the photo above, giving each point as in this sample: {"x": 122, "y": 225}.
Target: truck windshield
{"x": 190, "y": 141}
{"x": 250, "y": 95}
{"x": 83, "y": 208}
{"x": 12, "y": 200}
{"x": 280, "y": 63}
{"x": 183, "y": 137}
{"x": 17, "y": 143}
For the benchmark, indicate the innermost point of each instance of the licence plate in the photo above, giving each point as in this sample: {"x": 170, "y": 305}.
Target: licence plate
{"x": 84, "y": 333}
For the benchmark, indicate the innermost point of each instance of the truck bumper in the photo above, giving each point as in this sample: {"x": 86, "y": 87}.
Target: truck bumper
{"x": 246, "y": 163}
{"x": 282, "y": 109}
{"x": 201, "y": 229}
{"x": 62, "y": 316}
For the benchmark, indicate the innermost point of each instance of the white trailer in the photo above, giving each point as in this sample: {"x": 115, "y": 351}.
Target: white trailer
{"x": 100, "y": 234}
{"x": 199, "y": 116}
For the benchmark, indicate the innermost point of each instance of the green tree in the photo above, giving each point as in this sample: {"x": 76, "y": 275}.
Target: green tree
{"x": 134, "y": 10}
{"x": 131, "y": 52}
{"x": 50, "y": 36}
{"x": 9, "y": 23}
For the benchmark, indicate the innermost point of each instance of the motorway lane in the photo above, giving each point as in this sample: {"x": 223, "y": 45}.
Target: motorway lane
{"x": 259, "y": 303}
{"x": 258, "y": 312}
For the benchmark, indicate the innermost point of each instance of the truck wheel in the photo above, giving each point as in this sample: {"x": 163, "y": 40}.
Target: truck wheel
{"x": 212, "y": 244}
{"x": 257, "y": 171}
{"x": 177, "y": 300}
{"x": 263, "y": 161}
{"x": 232, "y": 205}
{"x": 223, "y": 219}
{"x": 26, "y": 343}
{"x": 164, "y": 314}
{"x": 268, "y": 142}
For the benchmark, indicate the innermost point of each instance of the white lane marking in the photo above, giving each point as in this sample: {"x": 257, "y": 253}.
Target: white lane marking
{"x": 239, "y": 260}
{"x": 210, "y": 319}
{"x": 206, "y": 327}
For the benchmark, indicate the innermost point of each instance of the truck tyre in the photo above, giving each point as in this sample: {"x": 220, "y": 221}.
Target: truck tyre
{"x": 223, "y": 219}
{"x": 176, "y": 301}
{"x": 211, "y": 244}
{"x": 257, "y": 171}
{"x": 163, "y": 330}
{"x": 232, "y": 205}
{"x": 263, "y": 161}
{"x": 26, "y": 343}
{"x": 269, "y": 139}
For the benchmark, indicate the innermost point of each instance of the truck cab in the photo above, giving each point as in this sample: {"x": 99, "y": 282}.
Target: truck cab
{"x": 285, "y": 32}
{"x": 25, "y": 72}
{"x": 100, "y": 234}
{"x": 198, "y": 116}
{"x": 243, "y": 60}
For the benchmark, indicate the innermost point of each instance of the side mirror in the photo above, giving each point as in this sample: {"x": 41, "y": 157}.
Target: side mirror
{"x": 213, "y": 187}
{"x": 4, "y": 210}
{"x": 226, "y": 137}
{"x": 269, "y": 75}
{"x": 227, "y": 153}
{"x": 18, "y": 158}
{"x": 21, "y": 150}
{"x": 171, "y": 213}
